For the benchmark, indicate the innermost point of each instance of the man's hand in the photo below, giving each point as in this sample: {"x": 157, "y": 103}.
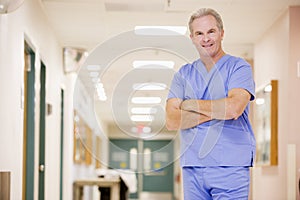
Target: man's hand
{"x": 230, "y": 107}
{"x": 176, "y": 118}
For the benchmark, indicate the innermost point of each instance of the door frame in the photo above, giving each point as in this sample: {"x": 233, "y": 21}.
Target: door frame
{"x": 29, "y": 123}
{"x": 61, "y": 143}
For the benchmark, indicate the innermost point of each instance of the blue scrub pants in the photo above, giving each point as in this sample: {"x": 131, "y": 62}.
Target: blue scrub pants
{"x": 216, "y": 183}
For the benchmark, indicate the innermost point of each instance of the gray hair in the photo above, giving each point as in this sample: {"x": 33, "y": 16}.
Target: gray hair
{"x": 204, "y": 12}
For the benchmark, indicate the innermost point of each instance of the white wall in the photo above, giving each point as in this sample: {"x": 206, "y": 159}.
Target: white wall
{"x": 275, "y": 56}
{"x": 84, "y": 106}
{"x": 30, "y": 23}
{"x": 294, "y": 91}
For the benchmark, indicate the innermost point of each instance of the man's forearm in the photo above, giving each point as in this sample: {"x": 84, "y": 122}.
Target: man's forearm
{"x": 215, "y": 109}
{"x": 230, "y": 107}
{"x": 192, "y": 119}
{"x": 180, "y": 119}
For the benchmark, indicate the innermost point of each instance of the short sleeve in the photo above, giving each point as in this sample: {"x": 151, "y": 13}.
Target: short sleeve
{"x": 177, "y": 87}
{"x": 242, "y": 77}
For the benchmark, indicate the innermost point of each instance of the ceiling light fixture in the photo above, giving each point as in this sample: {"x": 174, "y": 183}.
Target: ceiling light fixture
{"x": 153, "y": 64}
{"x": 96, "y": 80}
{"x": 260, "y": 101}
{"x": 93, "y": 67}
{"x": 142, "y": 118}
{"x": 160, "y": 30}
{"x": 141, "y": 129}
{"x": 100, "y": 92}
{"x": 143, "y": 110}
{"x": 94, "y": 74}
{"x": 149, "y": 86}
{"x": 147, "y": 129}
{"x": 268, "y": 88}
{"x": 146, "y": 100}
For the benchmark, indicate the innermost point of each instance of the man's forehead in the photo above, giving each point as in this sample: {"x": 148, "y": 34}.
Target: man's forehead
{"x": 204, "y": 23}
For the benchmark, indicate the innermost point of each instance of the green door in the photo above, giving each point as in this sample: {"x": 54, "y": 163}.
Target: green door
{"x": 29, "y": 125}
{"x": 28, "y": 144}
{"x": 123, "y": 155}
{"x": 154, "y": 167}
{"x": 158, "y": 166}
{"x": 42, "y": 132}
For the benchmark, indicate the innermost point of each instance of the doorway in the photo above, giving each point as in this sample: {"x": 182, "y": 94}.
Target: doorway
{"x": 29, "y": 124}
{"x": 151, "y": 160}
{"x": 42, "y": 126}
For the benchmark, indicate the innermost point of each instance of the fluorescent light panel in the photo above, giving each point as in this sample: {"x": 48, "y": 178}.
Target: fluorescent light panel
{"x": 141, "y": 118}
{"x": 93, "y": 67}
{"x": 149, "y": 86}
{"x": 146, "y": 100}
{"x": 143, "y": 110}
{"x": 153, "y": 64}
{"x": 160, "y": 30}
{"x": 94, "y": 74}
{"x": 95, "y": 80}
{"x": 145, "y": 129}
{"x": 268, "y": 88}
{"x": 100, "y": 92}
{"x": 260, "y": 101}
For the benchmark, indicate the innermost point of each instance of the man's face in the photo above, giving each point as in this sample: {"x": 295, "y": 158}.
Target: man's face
{"x": 206, "y": 36}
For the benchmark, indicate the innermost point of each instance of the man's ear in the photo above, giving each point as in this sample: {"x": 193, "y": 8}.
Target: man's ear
{"x": 192, "y": 38}
{"x": 222, "y": 34}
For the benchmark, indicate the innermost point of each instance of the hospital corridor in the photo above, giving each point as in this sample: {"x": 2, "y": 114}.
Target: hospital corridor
{"x": 85, "y": 84}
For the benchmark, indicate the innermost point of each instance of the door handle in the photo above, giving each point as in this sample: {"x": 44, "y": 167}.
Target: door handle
{"x": 42, "y": 168}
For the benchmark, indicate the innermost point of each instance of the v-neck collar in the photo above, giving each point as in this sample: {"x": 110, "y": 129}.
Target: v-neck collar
{"x": 203, "y": 70}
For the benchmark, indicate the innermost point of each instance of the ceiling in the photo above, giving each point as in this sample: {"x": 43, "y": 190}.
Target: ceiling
{"x": 105, "y": 29}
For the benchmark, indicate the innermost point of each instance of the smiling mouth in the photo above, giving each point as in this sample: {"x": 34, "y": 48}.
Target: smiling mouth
{"x": 208, "y": 45}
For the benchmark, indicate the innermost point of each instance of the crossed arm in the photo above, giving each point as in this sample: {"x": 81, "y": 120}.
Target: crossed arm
{"x": 189, "y": 113}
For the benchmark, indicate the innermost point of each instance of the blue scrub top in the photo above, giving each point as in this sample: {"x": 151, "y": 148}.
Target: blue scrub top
{"x": 217, "y": 142}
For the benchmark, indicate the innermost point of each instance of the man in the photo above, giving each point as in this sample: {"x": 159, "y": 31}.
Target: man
{"x": 209, "y": 102}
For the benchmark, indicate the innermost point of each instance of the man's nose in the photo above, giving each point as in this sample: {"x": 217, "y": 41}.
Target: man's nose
{"x": 206, "y": 38}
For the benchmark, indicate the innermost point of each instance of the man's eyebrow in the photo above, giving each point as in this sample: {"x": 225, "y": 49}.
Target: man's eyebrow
{"x": 209, "y": 30}
{"x": 212, "y": 29}
{"x": 198, "y": 32}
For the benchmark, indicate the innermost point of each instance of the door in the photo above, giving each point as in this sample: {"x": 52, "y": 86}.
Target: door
{"x": 156, "y": 179}
{"x": 123, "y": 155}
{"x": 29, "y": 124}
{"x": 42, "y": 132}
